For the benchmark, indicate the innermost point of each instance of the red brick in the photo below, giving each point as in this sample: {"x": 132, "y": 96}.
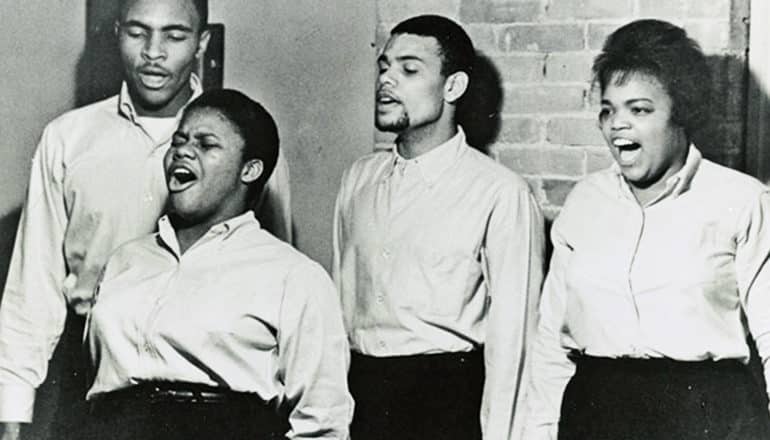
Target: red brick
{"x": 557, "y": 190}
{"x": 598, "y": 33}
{"x": 394, "y": 11}
{"x": 483, "y": 37}
{"x": 571, "y": 9}
{"x": 541, "y": 38}
{"x": 520, "y": 69}
{"x": 568, "y": 67}
{"x": 663, "y": 8}
{"x": 495, "y": 11}
{"x": 598, "y": 159}
{"x": 519, "y": 130}
{"x": 543, "y": 99}
{"x": 574, "y": 131}
{"x": 549, "y": 161}
{"x": 712, "y": 35}
{"x": 708, "y": 8}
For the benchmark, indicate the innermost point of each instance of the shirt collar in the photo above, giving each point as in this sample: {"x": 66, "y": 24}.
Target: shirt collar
{"x": 677, "y": 184}
{"x": 126, "y": 105}
{"x": 225, "y": 229}
{"x": 433, "y": 163}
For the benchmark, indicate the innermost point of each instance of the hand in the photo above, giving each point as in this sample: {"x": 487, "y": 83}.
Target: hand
{"x": 10, "y": 431}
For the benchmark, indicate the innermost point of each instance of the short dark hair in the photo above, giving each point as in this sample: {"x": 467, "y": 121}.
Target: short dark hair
{"x": 663, "y": 51}
{"x": 455, "y": 46}
{"x": 201, "y": 7}
{"x": 254, "y": 124}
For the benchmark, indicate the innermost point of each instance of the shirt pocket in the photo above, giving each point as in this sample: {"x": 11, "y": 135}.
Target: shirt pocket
{"x": 444, "y": 280}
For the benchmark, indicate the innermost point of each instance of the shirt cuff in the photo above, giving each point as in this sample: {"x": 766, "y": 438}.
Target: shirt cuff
{"x": 16, "y": 403}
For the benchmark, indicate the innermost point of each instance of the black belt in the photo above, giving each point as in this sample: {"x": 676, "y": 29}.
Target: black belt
{"x": 178, "y": 392}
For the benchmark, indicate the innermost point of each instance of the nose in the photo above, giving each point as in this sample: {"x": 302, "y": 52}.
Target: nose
{"x": 183, "y": 151}
{"x": 386, "y": 77}
{"x": 619, "y": 120}
{"x": 154, "y": 47}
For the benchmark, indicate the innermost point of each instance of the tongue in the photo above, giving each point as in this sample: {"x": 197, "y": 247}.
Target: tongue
{"x": 628, "y": 156}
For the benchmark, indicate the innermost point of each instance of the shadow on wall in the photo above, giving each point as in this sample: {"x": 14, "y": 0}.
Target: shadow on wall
{"x": 99, "y": 70}
{"x": 8, "y": 225}
{"x": 723, "y": 139}
{"x": 479, "y": 112}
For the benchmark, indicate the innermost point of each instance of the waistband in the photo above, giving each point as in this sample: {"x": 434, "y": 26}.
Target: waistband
{"x": 467, "y": 359}
{"x": 655, "y": 365}
{"x": 178, "y": 392}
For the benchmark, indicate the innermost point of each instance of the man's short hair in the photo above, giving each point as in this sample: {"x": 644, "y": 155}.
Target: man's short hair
{"x": 663, "y": 51}
{"x": 201, "y": 7}
{"x": 254, "y": 124}
{"x": 455, "y": 46}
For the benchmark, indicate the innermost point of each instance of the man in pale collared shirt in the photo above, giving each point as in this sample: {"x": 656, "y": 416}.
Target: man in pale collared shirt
{"x": 437, "y": 254}
{"x": 96, "y": 182}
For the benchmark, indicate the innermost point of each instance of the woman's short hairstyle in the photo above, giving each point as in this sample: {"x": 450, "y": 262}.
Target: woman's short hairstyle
{"x": 663, "y": 51}
{"x": 253, "y": 123}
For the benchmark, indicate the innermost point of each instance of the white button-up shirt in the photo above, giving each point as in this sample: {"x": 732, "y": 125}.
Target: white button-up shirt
{"x": 441, "y": 253}
{"x": 673, "y": 279}
{"x": 239, "y": 309}
{"x": 96, "y": 182}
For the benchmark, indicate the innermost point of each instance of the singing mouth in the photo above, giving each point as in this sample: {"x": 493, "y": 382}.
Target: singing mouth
{"x": 628, "y": 150}
{"x": 153, "y": 78}
{"x": 180, "y": 178}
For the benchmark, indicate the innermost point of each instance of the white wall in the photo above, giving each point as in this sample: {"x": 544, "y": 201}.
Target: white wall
{"x": 311, "y": 63}
{"x": 40, "y": 41}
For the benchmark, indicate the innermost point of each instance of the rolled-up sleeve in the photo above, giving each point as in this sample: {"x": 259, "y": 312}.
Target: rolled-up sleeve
{"x": 314, "y": 357}
{"x": 513, "y": 259}
{"x": 33, "y": 307}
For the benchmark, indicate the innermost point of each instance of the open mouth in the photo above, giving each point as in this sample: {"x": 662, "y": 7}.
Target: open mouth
{"x": 153, "y": 79}
{"x": 384, "y": 98}
{"x": 180, "y": 178}
{"x": 628, "y": 150}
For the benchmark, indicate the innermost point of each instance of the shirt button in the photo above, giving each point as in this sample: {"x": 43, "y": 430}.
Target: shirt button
{"x": 386, "y": 253}
{"x": 380, "y": 298}
{"x": 383, "y": 344}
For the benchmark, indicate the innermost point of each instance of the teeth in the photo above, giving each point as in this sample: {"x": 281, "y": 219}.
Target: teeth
{"x": 183, "y": 175}
{"x": 621, "y": 142}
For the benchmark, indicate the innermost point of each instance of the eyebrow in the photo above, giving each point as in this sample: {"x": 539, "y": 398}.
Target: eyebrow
{"x": 167, "y": 28}
{"x": 629, "y": 101}
{"x": 383, "y": 59}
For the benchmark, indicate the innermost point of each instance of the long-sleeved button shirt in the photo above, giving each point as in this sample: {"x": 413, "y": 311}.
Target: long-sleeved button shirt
{"x": 239, "y": 309}
{"x": 672, "y": 279}
{"x": 441, "y": 253}
{"x": 96, "y": 182}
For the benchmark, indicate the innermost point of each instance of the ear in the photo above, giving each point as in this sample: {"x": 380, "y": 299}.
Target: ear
{"x": 455, "y": 86}
{"x": 116, "y": 28}
{"x": 203, "y": 43}
{"x": 251, "y": 171}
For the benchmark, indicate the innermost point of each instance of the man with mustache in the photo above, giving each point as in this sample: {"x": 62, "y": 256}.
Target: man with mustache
{"x": 437, "y": 254}
{"x": 97, "y": 182}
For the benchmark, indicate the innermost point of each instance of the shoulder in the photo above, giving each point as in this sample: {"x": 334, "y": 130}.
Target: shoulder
{"x": 484, "y": 170}
{"x": 367, "y": 165}
{"x": 88, "y": 114}
{"x": 726, "y": 182}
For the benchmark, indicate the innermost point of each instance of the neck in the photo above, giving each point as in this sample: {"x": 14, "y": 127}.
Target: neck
{"x": 168, "y": 110}
{"x": 187, "y": 236}
{"x": 413, "y": 143}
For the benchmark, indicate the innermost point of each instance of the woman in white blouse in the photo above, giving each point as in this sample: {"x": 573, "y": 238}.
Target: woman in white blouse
{"x": 659, "y": 268}
{"x": 212, "y": 327}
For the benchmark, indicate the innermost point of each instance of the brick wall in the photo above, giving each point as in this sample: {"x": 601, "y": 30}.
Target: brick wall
{"x": 542, "y": 51}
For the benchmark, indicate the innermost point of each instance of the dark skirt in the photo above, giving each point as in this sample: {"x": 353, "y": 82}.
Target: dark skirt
{"x": 417, "y": 397}
{"x": 171, "y": 411}
{"x": 651, "y": 399}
